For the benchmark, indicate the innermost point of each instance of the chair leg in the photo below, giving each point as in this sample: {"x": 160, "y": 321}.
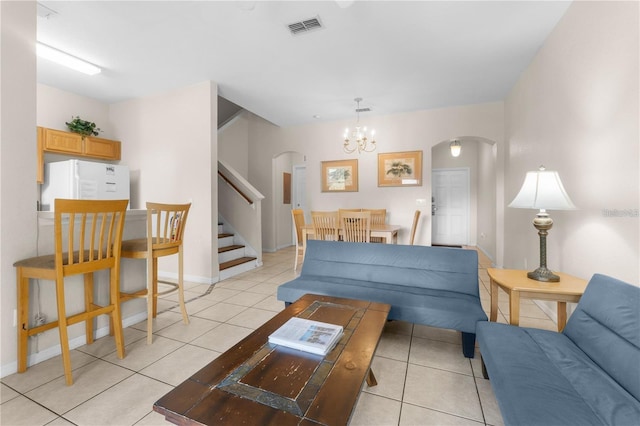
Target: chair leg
{"x": 23, "y": 318}
{"x": 154, "y": 292}
{"x": 116, "y": 315}
{"x": 88, "y": 306}
{"x": 62, "y": 328}
{"x": 183, "y": 308}
{"x": 152, "y": 264}
{"x": 295, "y": 263}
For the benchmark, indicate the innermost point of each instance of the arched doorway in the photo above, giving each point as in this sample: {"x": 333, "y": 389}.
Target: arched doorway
{"x": 478, "y": 161}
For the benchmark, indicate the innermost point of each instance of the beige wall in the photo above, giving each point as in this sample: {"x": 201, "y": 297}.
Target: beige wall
{"x": 172, "y": 162}
{"x": 401, "y": 132}
{"x": 18, "y": 188}
{"x": 55, "y": 107}
{"x": 233, "y": 144}
{"x": 575, "y": 110}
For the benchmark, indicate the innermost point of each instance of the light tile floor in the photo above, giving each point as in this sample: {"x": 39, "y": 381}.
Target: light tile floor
{"x": 423, "y": 379}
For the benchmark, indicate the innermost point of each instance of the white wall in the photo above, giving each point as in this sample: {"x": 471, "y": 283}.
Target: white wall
{"x": 55, "y": 107}
{"x": 171, "y": 145}
{"x": 486, "y": 214}
{"x": 400, "y": 132}
{"x": 233, "y": 144}
{"x": 575, "y": 110}
{"x": 18, "y": 188}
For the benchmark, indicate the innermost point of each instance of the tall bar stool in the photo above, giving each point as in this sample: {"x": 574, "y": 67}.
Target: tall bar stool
{"x": 165, "y": 231}
{"x": 91, "y": 243}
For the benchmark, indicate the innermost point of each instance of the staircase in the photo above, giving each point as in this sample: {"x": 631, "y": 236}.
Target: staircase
{"x": 232, "y": 256}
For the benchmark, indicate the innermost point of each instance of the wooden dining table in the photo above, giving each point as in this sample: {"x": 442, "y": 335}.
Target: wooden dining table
{"x": 387, "y": 232}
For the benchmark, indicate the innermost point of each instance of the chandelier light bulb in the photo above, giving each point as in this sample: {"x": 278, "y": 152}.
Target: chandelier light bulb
{"x": 357, "y": 139}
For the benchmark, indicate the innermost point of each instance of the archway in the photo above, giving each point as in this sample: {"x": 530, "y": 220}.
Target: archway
{"x": 479, "y": 157}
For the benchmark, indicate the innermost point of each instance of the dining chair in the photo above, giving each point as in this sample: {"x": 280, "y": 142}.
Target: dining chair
{"x": 165, "y": 232}
{"x": 378, "y": 217}
{"x": 414, "y": 226}
{"x": 356, "y": 226}
{"x": 90, "y": 242}
{"x": 325, "y": 225}
{"x": 298, "y": 222}
{"x": 340, "y": 211}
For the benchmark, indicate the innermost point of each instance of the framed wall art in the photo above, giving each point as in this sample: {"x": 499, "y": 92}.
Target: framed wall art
{"x": 400, "y": 168}
{"x": 340, "y": 176}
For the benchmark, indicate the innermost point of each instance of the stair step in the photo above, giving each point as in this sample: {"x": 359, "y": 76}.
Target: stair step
{"x": 229, "y": 248}
{"x": 224, "y": 235}
{"x": 235, "y": 262}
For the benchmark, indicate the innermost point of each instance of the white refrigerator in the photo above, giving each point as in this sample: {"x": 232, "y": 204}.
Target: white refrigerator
{"x": 83, "y": 180}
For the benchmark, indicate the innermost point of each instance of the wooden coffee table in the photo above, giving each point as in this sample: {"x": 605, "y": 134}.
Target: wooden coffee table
{"x": 258, "y": 383}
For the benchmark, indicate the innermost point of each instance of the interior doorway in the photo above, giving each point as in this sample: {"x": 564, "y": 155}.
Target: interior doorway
{"x": 450, "y": 207}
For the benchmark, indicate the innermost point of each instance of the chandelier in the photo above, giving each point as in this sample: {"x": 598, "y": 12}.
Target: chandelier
{"x": 357, "y": 139}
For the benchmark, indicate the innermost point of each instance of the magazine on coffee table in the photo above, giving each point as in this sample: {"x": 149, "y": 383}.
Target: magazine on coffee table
{"x": 307, "y": 335}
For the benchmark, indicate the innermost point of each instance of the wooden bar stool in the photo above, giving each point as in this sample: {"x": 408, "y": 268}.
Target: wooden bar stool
{"x": 91, "y": 243}
{"x": 165, "y": 231}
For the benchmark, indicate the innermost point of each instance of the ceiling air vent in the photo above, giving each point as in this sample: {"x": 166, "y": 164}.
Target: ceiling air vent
{"x": 305, "y": 26}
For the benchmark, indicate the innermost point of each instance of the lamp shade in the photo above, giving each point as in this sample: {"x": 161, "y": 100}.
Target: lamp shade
{"x": 542, "y": 189}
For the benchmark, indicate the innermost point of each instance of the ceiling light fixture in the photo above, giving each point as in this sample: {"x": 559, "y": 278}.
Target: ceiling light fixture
{"x": 62, "y": 58}
{"x": 359, "y": 135}
{"x": 456, "y": 148}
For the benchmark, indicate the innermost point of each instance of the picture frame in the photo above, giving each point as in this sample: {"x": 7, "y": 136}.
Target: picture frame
{"x": 339, "y": 176}
{"x": 400, "y": 168}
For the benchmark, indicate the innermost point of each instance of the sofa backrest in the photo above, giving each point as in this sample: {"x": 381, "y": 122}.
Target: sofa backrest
{"x": 606, "y": 326}
{"x": 438, "y": 268}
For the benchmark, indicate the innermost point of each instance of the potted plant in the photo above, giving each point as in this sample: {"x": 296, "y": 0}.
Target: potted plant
{"x": 83, "y": 127}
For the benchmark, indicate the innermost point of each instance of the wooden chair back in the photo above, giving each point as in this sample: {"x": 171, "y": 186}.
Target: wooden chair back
{"x": 325, "y": 225}
{"x": 378, "y": 217}
{"x": 165, "y": 227}
{"x": 356, "y": 226}
{"x": 298, "y": 222}
{"x": 340, "y": 211}
{"x": 414, "y": 226}
{"x": 95, "y": 243}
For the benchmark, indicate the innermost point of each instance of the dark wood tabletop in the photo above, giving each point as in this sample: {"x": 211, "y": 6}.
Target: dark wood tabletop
{"x": 258, "y": 383}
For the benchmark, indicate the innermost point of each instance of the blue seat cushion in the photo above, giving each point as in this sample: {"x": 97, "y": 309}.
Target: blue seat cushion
{"x": 541, "y": 377}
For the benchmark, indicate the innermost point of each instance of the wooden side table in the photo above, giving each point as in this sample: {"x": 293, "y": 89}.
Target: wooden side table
{"x": 517, "y": 285}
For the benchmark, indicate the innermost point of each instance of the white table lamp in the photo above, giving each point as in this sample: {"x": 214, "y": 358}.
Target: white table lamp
{"x": 542, "y": 189}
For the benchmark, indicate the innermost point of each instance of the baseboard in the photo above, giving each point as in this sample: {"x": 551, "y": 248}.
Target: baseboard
{"x": 53, "y": 351}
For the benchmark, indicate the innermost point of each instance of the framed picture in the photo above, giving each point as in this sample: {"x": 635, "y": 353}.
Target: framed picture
{"x": 400, "y": 168}
{"x": 340, "y": 176}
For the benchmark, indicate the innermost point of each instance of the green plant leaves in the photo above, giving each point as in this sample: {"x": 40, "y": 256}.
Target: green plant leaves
{"x": 83, "y": 127}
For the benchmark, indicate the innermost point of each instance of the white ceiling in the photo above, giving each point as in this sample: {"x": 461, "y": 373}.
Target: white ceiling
{"x": 399, "y": 56}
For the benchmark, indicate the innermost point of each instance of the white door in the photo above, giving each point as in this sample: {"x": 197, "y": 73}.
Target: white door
{"x": 450, "y": 206}
{"x": 299, "y": 193}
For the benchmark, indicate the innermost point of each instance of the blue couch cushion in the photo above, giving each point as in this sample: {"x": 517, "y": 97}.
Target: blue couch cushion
{"x": 420, "y": 305}
{"x": 541, "y": 377}
{"x": 437, "y": 268}
{"x": 606, "y": 326}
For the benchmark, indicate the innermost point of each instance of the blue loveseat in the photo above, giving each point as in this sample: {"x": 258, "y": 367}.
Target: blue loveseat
{"x": 434, "y": 286}
{"x": 587, "y": 375}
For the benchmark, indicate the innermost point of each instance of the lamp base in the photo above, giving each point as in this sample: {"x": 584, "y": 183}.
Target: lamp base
{"x": 543, "y": 274}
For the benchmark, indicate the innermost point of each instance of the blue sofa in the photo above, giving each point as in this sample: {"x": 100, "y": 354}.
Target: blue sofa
{"x": 587, "y": 375}
{"x": 435, "y": 286}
